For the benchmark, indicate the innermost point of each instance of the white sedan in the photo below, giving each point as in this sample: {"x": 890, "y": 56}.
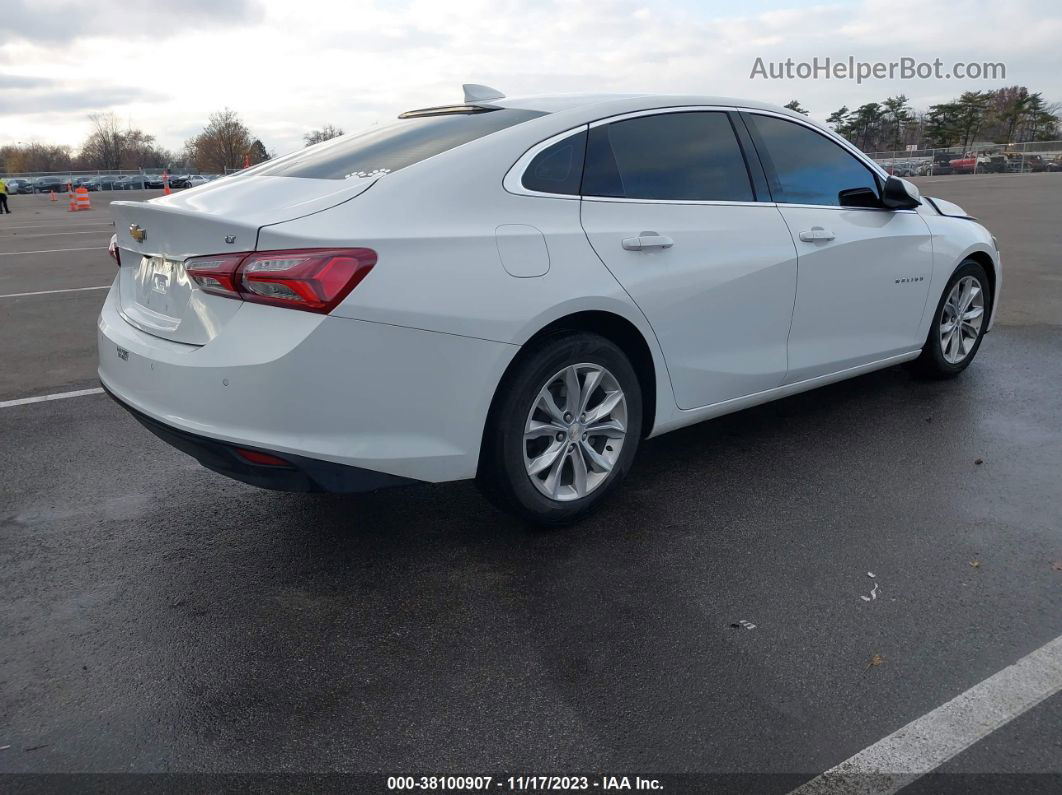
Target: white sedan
{"x": 521, "y": 290}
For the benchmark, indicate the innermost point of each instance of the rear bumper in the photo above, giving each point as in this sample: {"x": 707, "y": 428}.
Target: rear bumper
{"x": 310, "y": 388}
{"x": 303, "y": 474}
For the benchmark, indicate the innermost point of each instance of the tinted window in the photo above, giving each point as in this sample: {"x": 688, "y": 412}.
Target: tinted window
{"x": 558, "y": 168}
{"x": 808, "y": 167}
{"x": 679, "y": 156}
{"x": 394, "y": 146}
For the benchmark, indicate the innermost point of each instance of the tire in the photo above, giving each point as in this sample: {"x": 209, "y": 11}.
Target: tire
{"x": 555, "y": 494}
{"x": 945, "y": 355}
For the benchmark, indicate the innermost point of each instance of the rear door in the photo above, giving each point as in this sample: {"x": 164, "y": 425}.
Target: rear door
{"x": 863, "y": 271}
{"x": 669, "y": 207}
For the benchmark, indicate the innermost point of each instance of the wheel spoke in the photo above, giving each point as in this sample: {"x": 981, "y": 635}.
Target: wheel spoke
{"x": 578, "y": 471}
{"x": 552, "y": 483}
{"x": 613, "y": 429}
{"x": 545, "y": 460}
{"x": 952, "y": 337}
{"x": 603, "y": 409}
{"x": 549, "y": 405}
{"x": 973, "y": 313}
{"x": 590, "y": 383}
{"x": 597, "y": 461}
{"x": 972, "y": 292}
{"x": 536, "y": 429}
{"x": 572, "y": 390}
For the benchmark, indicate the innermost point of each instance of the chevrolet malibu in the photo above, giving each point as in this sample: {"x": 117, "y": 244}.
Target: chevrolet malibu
{"x": 521, "y": 290}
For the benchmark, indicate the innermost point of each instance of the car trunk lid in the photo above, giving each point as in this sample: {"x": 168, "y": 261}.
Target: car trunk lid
{"x": 156, "y": 237}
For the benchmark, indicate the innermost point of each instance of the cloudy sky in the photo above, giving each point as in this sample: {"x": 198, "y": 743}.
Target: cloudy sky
{"x": 291, "y": 65}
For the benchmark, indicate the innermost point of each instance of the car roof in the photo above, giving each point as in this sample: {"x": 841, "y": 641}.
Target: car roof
{"x": 608, "y": 104}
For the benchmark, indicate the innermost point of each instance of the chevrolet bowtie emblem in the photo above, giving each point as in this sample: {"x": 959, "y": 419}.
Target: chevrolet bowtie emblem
{"x": 137, "y": 233}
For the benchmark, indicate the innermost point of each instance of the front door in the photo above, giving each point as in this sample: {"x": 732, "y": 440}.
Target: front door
{"x": 862, "y": 273}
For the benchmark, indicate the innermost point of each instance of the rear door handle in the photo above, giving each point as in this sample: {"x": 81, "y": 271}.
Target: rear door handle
{"x": 647, "y": 240}
{"x": 815, "y": 234}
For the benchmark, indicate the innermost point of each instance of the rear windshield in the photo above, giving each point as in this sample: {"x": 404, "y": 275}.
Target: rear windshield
{"x": 381, "y": 150}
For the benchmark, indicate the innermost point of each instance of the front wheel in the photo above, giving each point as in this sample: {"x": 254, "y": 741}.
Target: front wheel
{"x": 959, "y": 324}
{"x": 563, "y": 431}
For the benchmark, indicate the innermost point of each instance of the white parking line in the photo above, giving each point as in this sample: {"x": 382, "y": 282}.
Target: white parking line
{"x": 59, "y": 225}
{"x": 6, "y": 404}
{"x": 49, "y": 292}
{"x": 56, "y": 234}
{"x": 51, "y": 251}
{"x": 927, "y": 742}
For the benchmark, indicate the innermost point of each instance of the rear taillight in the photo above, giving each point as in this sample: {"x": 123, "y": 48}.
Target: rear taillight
{"x": 311, "y": 279}
{"x": 112, "y": 249}
{"x": 216, "y": 275}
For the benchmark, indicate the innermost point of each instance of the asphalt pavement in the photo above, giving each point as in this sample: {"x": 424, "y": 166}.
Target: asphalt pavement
{"x": 157, "y": 617}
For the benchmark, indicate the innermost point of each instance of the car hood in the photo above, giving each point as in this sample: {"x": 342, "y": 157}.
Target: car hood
{"x": 944, "y": 207}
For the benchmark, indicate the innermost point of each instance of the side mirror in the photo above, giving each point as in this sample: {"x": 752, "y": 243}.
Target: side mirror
{"x": 899, "y": 194}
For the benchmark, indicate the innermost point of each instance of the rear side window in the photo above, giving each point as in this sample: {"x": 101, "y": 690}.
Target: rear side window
{"x": 690, "y": 156}
{"x": 559, "y": 167}
{"x": 381, "y": 150}
{"x": 807, "y": 168}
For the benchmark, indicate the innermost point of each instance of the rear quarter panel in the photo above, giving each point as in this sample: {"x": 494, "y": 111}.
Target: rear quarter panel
{"x": 433, "y": 226}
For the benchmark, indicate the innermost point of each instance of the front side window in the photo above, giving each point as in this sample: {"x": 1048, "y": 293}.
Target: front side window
{"x": 687, "y": 156}
{"x": 381, "y": 150}
{"x": 805, "y": 167}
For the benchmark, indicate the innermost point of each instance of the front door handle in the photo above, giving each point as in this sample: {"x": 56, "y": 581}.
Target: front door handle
{"x": 815, "y": 234}
{"x": 647, "y": 240}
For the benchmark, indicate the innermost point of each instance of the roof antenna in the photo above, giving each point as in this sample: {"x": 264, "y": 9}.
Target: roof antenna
{"x": 478, "y": 93}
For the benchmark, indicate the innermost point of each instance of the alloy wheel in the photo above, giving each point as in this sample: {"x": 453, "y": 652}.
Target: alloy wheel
{"x": 575, "y": 431}
{"x": 961, "y": 319}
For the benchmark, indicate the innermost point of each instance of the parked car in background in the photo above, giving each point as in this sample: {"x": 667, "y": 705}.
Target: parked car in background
{"x": 964, "y": 165}
{"x": 89, "y": 183}
{"x": 179, "y": 181}
{"x": 941, "y": 163}
{"x": 195, "y": 179}
{"x": 19, "y": 185}
{"x": 129, "y": 182}
{"x": 521, "y": 290}
{"x": 1034, "y": 163}
{"x": 48, "y": 184}
{"x": 153, "y": 181}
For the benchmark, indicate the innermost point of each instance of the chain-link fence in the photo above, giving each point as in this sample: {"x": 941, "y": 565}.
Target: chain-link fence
{"x": 978, "y": 158}
{"x": 59, "y": 181}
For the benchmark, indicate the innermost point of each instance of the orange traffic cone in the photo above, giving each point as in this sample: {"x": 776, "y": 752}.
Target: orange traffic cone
{"x": 166, "y": 184}
{"x": 53, "y": 195}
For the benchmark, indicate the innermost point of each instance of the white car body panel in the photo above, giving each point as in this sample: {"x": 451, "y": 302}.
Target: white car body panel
{"x": 861, "y": 295}
{"x": 264, "y": 383}
{"x": 400, "y": 376}
{"x": 726, "y": 259}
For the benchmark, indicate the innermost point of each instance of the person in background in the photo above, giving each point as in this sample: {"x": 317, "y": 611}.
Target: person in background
{"x": 3, "y": 198}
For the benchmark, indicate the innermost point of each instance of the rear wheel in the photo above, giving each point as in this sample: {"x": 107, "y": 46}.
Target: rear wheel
{"x": 563, "y": 431}
{"x": 959, "y": 324}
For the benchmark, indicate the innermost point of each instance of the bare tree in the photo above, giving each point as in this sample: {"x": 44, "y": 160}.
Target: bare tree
{"x": 106, "y": 143}
{"x": 34, "y": 157}
{"x": 222, "y": 145}
{"x": 326, "y": 133}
